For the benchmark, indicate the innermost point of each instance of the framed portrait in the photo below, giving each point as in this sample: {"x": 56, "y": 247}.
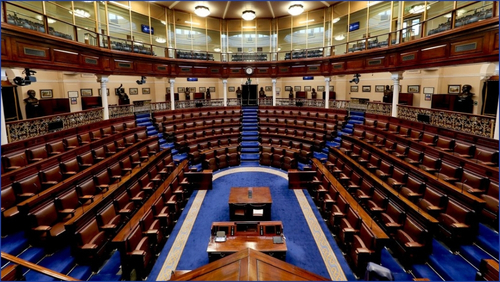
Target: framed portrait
{"x": 203, "y": 89}
{"x": 107, "y": 91}
{"x": 454, "y": 88}
{"x": 297, "y": 88}
{"x": 400, "y": 87}
{"x": 354, "y": 88}
{"x": 413, "y": 88}
{"x": 133, "y": 91}
{"x": 307, "y": 88}
{"x": 231, "y": 89}
{"x": 46, "y": 93}
{"x": 146, "y": 91}
{"x": 330, "y": 89}
{"x": 321, "y": 88}
{"x": 181, "y": 90}
{"x": 379, "y": 88}
{"x": 212, "y": 89}
{"x": 86, "y": 92}
{"x": 72, "y": 94}
{"x": 428, "y": 96}
{"x": 428, "y": 90}
{"x": 366, "y": 88}
{"x": 74, "y": 101}
{"x": 288, "y": 88}
{"x": 269, "y": 88}
{"x": 192, "y": 89}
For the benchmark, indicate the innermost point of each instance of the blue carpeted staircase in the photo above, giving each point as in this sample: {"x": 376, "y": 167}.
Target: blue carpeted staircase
{"x": 354, "y": 118}
{"x": 144, "y": 119}
{"x": 450, "y": 266}
{"x": 250, "y": 135}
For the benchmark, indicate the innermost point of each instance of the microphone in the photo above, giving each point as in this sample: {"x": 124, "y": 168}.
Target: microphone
{"x": 477, "y": 157}
{"x": 454, "y": 148}
{"x": 463, "y": 185}
{"x": 439, "y": 170}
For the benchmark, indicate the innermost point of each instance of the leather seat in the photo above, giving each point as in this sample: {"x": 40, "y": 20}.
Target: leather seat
{"x": 67, "y": 203}
{"x": 138, "y": 251}
{"x": 265, "y": 159}
{"x": 69, "y": 168}
{"x": 51, "y": 176}
{"x": 36, "y": 154}
{"x": 27, "y": 187}
{"x": 15, "y": 161}
{"x": 411, "y": 241}
{"x": 90, "y": 243}
{"x": 108, "y": 220}
{"x": 392, "y": 218}
{"x": 71, "y": 143}
{"x": 362, "y": 249}
{"x": 45, "y": 226}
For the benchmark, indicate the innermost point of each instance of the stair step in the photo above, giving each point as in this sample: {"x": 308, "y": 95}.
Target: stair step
{"x": 142, "y": 115}
{"x": 474, "y": 254}
{"x": 425, "y": 271}
{"x": 249, "y": 150}
{"x": 249, "y": 156}
{"x": 249, "y": 163}
{"x": 250, "y": 133}
{"x": 33, "y": 254}
{"x": 249, "y": 144}
{"x": 356, "y": 121}
{"x": 320, "y": 156}
{"x": 179, "y": 157}
{"x": 250, "y": 128}
{"x": 356, "y": 117}
{"x": 14, "y": 243}
{"x": 152, "y": 133}
{"x": 250, "y": 138}
{"x": 349, "y": 125}
{"x": 61, "y": 261}
{"x": 249, "y": 124}
{"x": 198, "y": 167}
{"x": 486, "y": 239}
{"x": 81, "y": 272}
{"x": 355, "y": 113}
{"x": 450, "y": 266}
{"x": 302, "y": 166}
{"x": 398, "y": 273}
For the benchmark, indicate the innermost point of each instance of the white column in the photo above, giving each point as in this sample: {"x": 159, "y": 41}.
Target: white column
{"x": 495, "y": 134}
{"x": 104, "y": 94}
{"x": 224, "y": 86}
{"x": 4, "y": 128}
{"x": 327, "y": 92}
{"x": 172, "y": 97}
{"x": 274, "y": 91}
{"x": 396, "y": 77}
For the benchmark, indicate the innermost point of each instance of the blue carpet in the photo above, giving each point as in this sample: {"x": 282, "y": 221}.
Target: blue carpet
{"x": 249, "y": 164}
{"x": 112, "y": 265}
{"x": 249, "y": 150}
{"x": 386, "y": 260}
{"x": 15, "y": 243}
{"x": 488, "y": 240}
{"x": 250, "y": 157}
{"x": 81, "y": 272}
{"x": 474, "y": 254}
{"x": 425, "y": 271}
{"x": 250, "y": 144}
{"x": 302, "y": 250}
{"x": 33, "y": 254}
{"x": 450, "y": 266}
{"x": 61, "y": 261}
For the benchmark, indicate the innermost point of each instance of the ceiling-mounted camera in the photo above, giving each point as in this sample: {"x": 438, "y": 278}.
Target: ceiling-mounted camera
{"x": 355, "y": 79}
{"x": 28, "y": 78}
{"x": 142, "y": 81}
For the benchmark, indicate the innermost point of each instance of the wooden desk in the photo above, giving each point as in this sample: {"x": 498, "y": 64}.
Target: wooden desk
{"x": 197, "y": 180}
{"x": 301, "y": 179}
{"x": 247, "y": 234}
{"x": 250, "y": 203}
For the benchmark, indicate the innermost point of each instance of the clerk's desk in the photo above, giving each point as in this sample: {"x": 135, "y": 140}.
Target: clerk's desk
{"x": 265, "y": 236}
{"x": 197, "y": 180}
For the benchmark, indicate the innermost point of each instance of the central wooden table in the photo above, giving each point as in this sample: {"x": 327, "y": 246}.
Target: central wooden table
{"x": 250, "y": 203}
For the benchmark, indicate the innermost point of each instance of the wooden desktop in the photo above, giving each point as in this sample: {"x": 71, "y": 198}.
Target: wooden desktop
{"x": 260, "y": 236}
{"x": 250, "y": 203}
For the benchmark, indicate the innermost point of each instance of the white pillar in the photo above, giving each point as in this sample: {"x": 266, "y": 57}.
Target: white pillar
{"x": 396, "y": 77}
{"x": 495, "y": 134}
{"x": 172, "y": 96}
{"x": 4, "y": 127}
{"x": 104, "y": 94}
{"x": 224, "y": 86}
{"x": 274, "y": 91}
{"x": 327, "y": 91}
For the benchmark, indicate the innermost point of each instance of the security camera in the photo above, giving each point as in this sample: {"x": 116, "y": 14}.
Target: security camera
{"x": 21, "y": 81}
{"x": 142, "y": 81}
{"x": 355, "y": 79}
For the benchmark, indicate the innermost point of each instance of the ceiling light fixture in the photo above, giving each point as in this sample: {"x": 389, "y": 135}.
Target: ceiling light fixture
{"x": 216, "y": 49}
{"x": 248, "y": 15}
{"x": 296, "y": 9}
{"x": 336, "y": 20}
{"x": 160, "y": 40}
{"x": 249, "y": 27}
{"x": 339, "y": 37}
{"x": 81, "y": 13}
{"x": 201, "y": 11}
{"x": 189, "y": 22}
{"x": 417, "y": 9}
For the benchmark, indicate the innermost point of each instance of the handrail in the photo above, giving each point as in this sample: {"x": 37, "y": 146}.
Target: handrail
{"x": 38, "y": 268}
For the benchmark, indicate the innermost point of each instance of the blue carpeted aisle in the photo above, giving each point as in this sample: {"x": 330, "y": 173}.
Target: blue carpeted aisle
{"x": 302, "y": 249}
{"x": 250, "y": 134}
{"x": 354, "y": 118}
{"x": 144, "y": 119}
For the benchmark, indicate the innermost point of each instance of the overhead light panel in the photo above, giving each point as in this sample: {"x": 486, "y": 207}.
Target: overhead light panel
{"x": 296, "y": 9}
{"x": 160, "y": 40}
{"x": 189, "y": 22}
{"x": 201, "y": 11}
{"x": 81, "y": 13}
{"x": 336, "y": 20}
{"x": 417, "y": 9}
{"x": 248, "y": 15}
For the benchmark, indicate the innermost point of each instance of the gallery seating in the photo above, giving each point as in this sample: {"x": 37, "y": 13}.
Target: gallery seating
{"x": 91, "y": 242}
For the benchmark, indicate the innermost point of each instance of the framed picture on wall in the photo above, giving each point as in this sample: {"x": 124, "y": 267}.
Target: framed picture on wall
{"x": 269, "y": 88}
{"x": 428, "y": 90}
{"x": 307, "y": 88}
{"x": 288, "y": 88}
{"x": 107, "y": 91}
{"x": 46, "y": 93}
{"x": 181, "y": 90}
{"x": 86, "y": 92}
{"x": 297, "y": 88}
{"x": 413, "y": 88}
{"x": 192, "y": 89}
{"x": 428, "y": 96}
{"x": 354, "y": 88}
{"x": 146, "y": 91}
{"x": 231, "y": 89}
{"x": 321, "y": 88}
{"x": 454, "y": 88}
{"x": 367, "y": 88}
{"x": 74, "y": 101}
{"x": 203, "y": 89}
{"x": 133, "y": 91}
{"x": 212, "y": 89}
{"x": 330, "y": 88}
{"x": 379, "y": 88}
{"x": 72, "y": 94}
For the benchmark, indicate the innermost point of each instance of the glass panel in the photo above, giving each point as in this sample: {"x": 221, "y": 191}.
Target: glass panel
{"x": 213, "y": 41}
{"x": 474, "y": 13}
{"x": 413, "y": 8}
{"x": 87, "y": 37}
{"x": 339, "y": 35}
{"x": 171, "y": 32}
{"x": 33, "y": 5}
{"x": 138, "y": 22}
{"x": 119, "y": 22}
{"x": 438, "y": 8}
{"x": 101, "y": 21}
{"x": 158, "y": 12}
{"x": 357, "y": 25}
{"x": 59, "y": 12}
{"x": 24, "y": 18}
{"x": 438, "y": 24}
{"x": 284, "y": 43}
{"x": 160, "y": 32}
{"x": 61, "y": 29}
{"x": 199, "y": 39}
{"x": 379, "y": 18}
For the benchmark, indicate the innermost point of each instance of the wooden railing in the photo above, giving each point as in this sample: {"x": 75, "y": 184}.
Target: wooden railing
{"x": 37, "y": 268}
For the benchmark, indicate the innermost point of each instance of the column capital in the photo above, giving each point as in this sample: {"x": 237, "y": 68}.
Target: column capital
{"x": 328, "y": 79}
{"x": 224, "y": 81}
{"x": 103, "y": 78}
{"x": 396, "y": 76}
{"x": 274, "y": 80}
{"x": 172, "y": 80}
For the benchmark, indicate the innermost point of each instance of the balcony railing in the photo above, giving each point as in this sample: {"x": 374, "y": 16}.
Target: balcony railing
{"x": 199, "y": 103}
{"x": 379, "y": 108}
{"x": 30, "y": 19}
